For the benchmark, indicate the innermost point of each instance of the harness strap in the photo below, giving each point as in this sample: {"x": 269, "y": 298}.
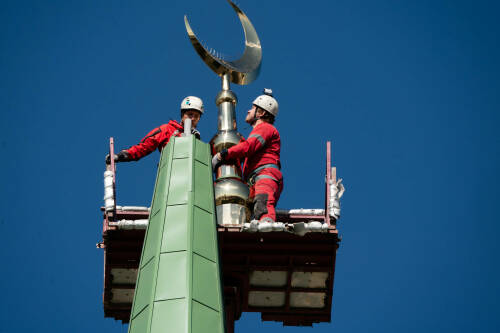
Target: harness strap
{"x": 266, "y": 177}
{"x": 262, "y": 167}
{"x": 254, "y": 175}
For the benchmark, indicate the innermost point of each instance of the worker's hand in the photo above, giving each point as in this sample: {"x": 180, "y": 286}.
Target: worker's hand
{"x": 108, "y": 159}
{"x": 216, "y": 161}
{"x": 122, "y": 156}
{"x": 196, "y": 133}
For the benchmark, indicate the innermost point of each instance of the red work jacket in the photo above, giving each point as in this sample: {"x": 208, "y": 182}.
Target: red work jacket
{"x": 262, "y": 147}
{"x": 157, "y": 138}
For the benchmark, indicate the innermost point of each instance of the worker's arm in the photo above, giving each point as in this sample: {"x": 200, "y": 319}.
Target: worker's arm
{"x": 256, "y": 141}
{"x": 147, "y": 145}
{"x": 219, "y": 157}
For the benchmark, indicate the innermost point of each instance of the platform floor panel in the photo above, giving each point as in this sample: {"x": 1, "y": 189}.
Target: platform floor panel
{"x": 285, "y": 277}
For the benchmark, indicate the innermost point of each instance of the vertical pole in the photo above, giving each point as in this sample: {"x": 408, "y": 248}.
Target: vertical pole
{"x": 229, "y": 314}
{"x": 112, "y": 167}
{"x": 225, "y": 82}
{"x": 231, "y": 193}
{"x": 328, "y": 181}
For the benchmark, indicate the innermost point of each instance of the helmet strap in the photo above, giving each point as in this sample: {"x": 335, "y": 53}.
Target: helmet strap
{"x": 255, "y": 117}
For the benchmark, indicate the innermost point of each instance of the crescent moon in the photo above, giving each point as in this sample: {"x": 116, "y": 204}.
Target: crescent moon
{"x": 241, "y": 71}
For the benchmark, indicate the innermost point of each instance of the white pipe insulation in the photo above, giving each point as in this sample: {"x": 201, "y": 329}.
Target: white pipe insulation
{"x": 187, "y": 127}
{"x": 130, "y": 224}
{"x": 299, "y": 228}
{"x": 109, "y": 198}
{"x": 133, "y": 208}
{"x": 307, "y": 211}
{"x": 337, "y": 189}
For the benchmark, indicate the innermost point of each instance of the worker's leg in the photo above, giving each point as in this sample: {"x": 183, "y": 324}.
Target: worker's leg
{"x": 251, "y": 199}
{"x": 267, "y": 193}
{"x": 263, "y": 199}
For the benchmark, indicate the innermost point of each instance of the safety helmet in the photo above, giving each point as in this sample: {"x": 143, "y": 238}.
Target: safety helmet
{"x": 192, "y": 103}
{"x": 267, "y": 102}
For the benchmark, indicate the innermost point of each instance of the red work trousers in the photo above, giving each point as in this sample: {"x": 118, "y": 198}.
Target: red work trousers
{"x": 265, "y": 193}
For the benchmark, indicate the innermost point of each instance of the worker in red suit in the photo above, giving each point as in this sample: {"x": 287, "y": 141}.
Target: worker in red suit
{"x": 191, "y": 107}
{"x": 261, "y": 167}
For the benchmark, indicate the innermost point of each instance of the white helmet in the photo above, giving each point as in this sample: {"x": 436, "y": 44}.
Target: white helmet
{"x": 267, "y": 102}
{"x": 192, "y": 103}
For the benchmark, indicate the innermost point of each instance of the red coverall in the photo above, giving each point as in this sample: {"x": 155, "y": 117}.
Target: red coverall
{"x": 157, "y": 138}
{"x": 261, "y": 168}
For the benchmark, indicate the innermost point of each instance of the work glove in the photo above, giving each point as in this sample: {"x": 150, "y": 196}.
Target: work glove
{"x": 122, "y": 156}
{"x": 196, "y": 133}
{"x": 216, "y": 161}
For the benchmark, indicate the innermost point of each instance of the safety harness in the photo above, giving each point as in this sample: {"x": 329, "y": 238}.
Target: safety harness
{"x": 254, "y": 176}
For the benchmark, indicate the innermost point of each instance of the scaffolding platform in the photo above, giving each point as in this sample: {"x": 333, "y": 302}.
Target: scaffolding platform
{"x": 286, "y": 277}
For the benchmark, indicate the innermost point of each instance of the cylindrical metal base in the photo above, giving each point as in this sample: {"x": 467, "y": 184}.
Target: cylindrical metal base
{"x": 231, "y": 213}
{"x": 230, "y": 191}
{"x": 231, "y": 197}
{"x": 225, "y": 139}
{"x": 227, "y": 171}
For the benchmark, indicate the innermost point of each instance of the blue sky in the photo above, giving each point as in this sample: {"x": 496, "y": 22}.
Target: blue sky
{"x": 407, "y": 91}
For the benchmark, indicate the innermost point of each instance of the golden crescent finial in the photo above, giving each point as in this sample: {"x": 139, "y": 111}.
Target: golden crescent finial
{"x": 241, "y": 71}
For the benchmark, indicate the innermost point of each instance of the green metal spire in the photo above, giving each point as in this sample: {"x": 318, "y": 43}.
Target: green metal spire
{"x": 179, "y": 285}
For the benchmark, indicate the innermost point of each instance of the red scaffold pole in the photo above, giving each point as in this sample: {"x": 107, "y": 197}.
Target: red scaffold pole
{"x": 328, "y": 181}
